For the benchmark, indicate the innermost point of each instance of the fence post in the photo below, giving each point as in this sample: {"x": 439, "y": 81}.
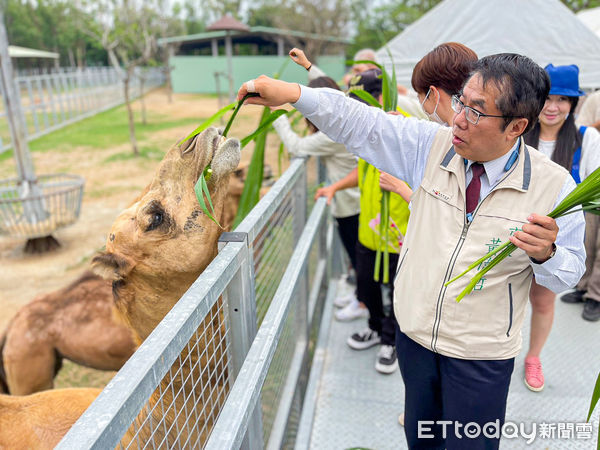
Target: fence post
{"x": 241, "y": 305}
{"x": 302, "y": 323}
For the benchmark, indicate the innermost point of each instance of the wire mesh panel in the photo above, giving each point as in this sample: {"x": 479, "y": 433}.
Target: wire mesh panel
{"x": 275, "y": 370}
{"x": 171, "y": 391}
{"x": 272, "y": 250}
{"x": 183, "y": 409}
{"x": 54, "y": 201}
{"x": 53, "y": 100}
{"x": 275, "y": 382}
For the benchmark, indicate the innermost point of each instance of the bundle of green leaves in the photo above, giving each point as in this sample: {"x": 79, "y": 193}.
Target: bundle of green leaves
{"x": 585, "y": 197}
{"x": 389, "y": 93}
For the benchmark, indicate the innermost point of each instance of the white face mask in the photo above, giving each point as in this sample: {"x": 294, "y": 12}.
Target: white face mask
{"x": 434, "y": 115}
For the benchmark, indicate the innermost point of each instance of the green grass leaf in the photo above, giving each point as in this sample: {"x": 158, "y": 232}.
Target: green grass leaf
{"x": 220, "y": 113}
{"x": 264, "y": 125}
{"x": 364, "y": 95}
{"x": 254, "y": 178}
{"x": 237, "y": 108}
{"x": 201, "y": 189}
{"x": 595, "y": 398}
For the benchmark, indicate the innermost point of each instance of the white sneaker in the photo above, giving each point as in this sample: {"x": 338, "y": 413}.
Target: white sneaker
{"x": 344, "y": 300}
{"x": 364, "y": 339}
{"x": 386, "y": 360}
{"x": 344, "y": 288}
{"x": 351, "y": 312}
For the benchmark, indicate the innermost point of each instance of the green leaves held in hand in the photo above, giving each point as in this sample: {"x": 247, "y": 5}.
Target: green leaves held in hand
{"x": 210, "y": 120}
{"x": 237, "y": 108}
{"x": 264, "y": 125}
{"x": 201, "y": 190}
{"x": 254, "y": 177}
{"x": 364, "y": 95}
{"x": 390, "y": 102}
{"x": 201, "y": 187}
{"x": 586, "y": 195}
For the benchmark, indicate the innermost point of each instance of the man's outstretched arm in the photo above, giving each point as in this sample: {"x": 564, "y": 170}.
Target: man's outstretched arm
{"x": 395, "y": 144}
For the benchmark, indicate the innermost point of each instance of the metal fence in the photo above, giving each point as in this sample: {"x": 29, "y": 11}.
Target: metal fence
{"x": 52, "y": 100}
{"x": 227, "y": 367}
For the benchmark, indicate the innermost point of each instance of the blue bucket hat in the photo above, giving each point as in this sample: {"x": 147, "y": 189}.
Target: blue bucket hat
{"x": 564, "y": 80}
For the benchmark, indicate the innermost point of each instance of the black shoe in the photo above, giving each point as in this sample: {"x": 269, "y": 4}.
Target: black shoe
{"x": 591, "y": 310}
{"x": 386, "y": 360}
{"x": 573, "y": 297}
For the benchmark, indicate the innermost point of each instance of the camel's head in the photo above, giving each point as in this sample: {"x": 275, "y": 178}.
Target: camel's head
{"x": 165, "y": 240}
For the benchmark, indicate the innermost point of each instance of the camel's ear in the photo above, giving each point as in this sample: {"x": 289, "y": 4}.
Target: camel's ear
{"x": 112, "y": 266}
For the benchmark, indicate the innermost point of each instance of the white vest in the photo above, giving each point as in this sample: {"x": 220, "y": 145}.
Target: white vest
{"x": 440, "y": 244}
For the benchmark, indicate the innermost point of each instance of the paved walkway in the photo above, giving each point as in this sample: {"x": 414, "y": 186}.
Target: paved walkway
{"x": 358, "y": 407}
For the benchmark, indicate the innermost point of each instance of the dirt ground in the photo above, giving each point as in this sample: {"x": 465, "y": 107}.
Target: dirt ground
{"x": 109, "y": 188}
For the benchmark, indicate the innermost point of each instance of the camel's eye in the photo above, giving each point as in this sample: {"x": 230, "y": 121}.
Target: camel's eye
{"x": 156, "y": 219}
{"x": 156, "y": 216}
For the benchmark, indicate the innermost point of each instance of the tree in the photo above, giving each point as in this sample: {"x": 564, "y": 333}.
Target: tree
{"x": 128, "y": 36}
{"x": 53, "y": 25}
{"x": 578, "y": 5}
{"x": 169, "y": 26}
{"x": 321, "y": 17}
{"x": 376, "y": 26}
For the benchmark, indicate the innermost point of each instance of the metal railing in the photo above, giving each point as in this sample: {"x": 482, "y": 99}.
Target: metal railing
{"x": 227, "y": 366}
{"x": 53, "y": 100}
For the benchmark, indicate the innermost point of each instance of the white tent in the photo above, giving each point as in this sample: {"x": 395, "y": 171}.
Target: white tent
{"x": 591, "y": 18}
{"x": 545, "y": 30}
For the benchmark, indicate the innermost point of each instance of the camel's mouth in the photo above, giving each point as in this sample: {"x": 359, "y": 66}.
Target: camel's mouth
{"x": 219, "y": 151}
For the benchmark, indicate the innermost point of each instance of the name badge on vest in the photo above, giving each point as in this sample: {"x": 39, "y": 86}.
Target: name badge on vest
{"x": 441, "y": 195}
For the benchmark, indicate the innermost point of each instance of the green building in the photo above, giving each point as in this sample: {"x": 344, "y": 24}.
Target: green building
{"x": 200, "y": 63}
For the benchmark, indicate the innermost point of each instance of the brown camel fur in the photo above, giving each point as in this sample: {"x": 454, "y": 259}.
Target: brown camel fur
{"x": 39, "y": 421}
{"x": 76, "y": 323}
{"x": 154, "y": 252}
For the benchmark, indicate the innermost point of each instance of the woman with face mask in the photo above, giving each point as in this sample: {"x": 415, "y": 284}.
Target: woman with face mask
{"x": 438, "y": 76}
{"x": 578, "y": 151}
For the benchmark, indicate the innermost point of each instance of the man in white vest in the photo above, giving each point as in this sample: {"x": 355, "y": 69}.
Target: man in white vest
{"x": 476, "y": 185}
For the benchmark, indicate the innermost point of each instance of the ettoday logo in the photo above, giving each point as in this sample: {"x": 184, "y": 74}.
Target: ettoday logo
{"x": 509, "y": 430}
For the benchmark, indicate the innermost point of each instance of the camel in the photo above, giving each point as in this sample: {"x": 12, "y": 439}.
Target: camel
{"x": 76, "y": 323}
{"x": 155, "y": 250}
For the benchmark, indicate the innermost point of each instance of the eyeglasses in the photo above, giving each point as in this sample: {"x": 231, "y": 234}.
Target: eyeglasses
{"x": 471, "y": 114}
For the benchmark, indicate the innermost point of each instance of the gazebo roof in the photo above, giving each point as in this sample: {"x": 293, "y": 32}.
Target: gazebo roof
{"x": 228, "y": 23}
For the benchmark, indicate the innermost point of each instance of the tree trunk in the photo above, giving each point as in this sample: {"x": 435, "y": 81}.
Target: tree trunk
{"x": 169, "y": 85}
{"x": 130, "y": 116}
{"x": 72, "y": 62}
{"x": 142, "y": 99}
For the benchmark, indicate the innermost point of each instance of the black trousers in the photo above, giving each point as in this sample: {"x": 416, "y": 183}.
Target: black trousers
{"x": 368, "y": 291}
{"x": 461, "y": 391}
{"x": 348, "y": 229}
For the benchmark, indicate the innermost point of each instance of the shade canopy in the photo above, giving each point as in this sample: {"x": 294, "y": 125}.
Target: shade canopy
{"x": 591, "y": 19}
{"x": 545, "y": 30}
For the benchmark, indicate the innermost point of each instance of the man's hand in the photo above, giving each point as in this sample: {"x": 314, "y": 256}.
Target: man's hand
{"x": 272, "y": 92}
{"x": 299, "y": 58}
{"x": 328, "y": 192}
{"x": 537, "y": 237}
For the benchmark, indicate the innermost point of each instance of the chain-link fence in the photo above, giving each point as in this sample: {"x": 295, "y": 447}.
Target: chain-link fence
{"x": 234, "y": 352}
{"x": 52, "y": 100}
